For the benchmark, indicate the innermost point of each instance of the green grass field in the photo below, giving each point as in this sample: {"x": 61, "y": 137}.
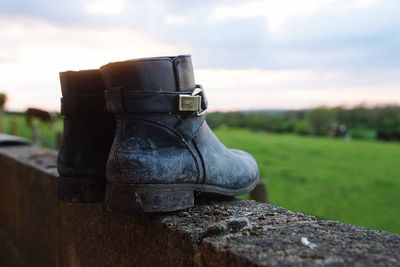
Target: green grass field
{"x": 356, "y": 182}
{"x": 48, "y": 135}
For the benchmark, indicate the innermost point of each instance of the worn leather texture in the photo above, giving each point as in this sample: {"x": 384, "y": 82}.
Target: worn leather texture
{"x": 88, "y": 128}
{"x": 145, "y": 151}
{"x": 229, "y": 168}
{"x": 166, "y": 147}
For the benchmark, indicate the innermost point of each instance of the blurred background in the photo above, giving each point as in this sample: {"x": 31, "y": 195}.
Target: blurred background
{"x": 311, "y": 88}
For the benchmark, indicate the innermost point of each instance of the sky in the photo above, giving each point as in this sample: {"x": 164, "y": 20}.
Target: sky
{"x": 270, "y": 54}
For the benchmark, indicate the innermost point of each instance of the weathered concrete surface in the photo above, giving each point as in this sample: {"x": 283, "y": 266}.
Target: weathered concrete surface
{"x": 38, "y": 230}
{"x": 28, "y": 212}
{"x": 273, "y": 236}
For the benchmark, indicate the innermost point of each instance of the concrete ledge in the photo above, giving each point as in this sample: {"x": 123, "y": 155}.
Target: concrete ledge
{"x": 38, "y": 230}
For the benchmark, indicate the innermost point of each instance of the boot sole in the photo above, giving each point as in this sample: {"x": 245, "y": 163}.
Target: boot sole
{"x": 81, "y": 189}
{"x": 160, "y": 197}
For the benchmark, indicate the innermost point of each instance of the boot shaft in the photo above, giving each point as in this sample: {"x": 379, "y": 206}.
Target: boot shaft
{"x": 88, "y": 128}
{"x": 163, "y": 85}
{"x": 82, "y": 93}
{"x": 81, "y": 82}
{"x": 160, "y": 74}
{"x": 145, "y": 96}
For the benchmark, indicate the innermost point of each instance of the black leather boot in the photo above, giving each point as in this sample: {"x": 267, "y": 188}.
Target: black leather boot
{"x": 163, "y": 149}
{"x": 87, "y": 138}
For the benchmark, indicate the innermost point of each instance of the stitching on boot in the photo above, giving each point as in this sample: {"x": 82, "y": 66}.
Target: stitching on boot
{"x": 203, "y": 165}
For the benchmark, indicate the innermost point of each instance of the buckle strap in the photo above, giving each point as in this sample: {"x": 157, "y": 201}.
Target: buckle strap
{"x": 197, "y": 101}
{"x": 79, "y": 104}
{"x": 122, "y": 101}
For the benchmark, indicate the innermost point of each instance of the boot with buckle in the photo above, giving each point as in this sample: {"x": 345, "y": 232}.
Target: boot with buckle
{"x": 163, "y": 150}
{"x": 87, "y": 137}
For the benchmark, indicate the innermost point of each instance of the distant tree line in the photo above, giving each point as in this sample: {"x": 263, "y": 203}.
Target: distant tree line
{"x": 360, "y": 122}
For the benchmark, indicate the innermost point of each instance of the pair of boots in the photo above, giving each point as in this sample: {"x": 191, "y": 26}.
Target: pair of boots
{"x": 135, "y": 133}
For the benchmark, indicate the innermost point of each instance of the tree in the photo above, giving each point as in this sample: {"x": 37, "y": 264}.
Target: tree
{"x": 321, "y": 119}
{"x": 3, "y": 100}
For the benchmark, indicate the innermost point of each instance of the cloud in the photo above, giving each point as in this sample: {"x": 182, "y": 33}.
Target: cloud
{"x": 253, "y": 54}
{"x": 252, "y": 34}
{"x": 37, "y": 51}
{"x": 277, "y": 12}
{"x": 175, "y": 20}
{"x": 274, "y": 12}
{"x": 293, "y": 89}
{"x": 104, "y": 7}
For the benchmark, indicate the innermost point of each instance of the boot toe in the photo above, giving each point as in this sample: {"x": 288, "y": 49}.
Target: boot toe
{"x": 247, "y": 173}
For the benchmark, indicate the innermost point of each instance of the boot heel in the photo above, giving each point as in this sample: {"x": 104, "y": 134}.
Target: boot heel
{"x": 148, "y": 198}
{"x": 81, "y": 189}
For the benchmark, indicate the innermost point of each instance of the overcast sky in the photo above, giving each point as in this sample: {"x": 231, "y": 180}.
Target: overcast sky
{"x": 247, "y": 54}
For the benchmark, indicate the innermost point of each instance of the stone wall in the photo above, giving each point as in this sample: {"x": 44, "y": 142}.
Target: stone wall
{"x": 38, "y": 230}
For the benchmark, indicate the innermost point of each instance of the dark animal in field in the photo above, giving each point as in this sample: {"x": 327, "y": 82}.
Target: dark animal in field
{"x": 338, "y": 130}
{"x": 41, "y": 115}
{"x": 388, "y": 135}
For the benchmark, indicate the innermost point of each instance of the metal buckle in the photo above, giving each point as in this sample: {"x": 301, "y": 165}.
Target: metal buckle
{"x": 192, "y": 102}
{"x": 189, "y": 102}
